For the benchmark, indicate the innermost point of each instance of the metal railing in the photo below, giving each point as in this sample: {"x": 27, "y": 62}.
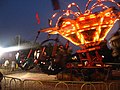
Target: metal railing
{"x": 10, "y": 83}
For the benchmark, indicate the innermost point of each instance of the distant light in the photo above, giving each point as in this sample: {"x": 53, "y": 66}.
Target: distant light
{"x": 1, "y": 51}
{"x": 103, "y": 56}
{"x": 8, "y": 49}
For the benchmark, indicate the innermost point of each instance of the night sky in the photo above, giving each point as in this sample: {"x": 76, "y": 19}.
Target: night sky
{"x": 17, "y": 17}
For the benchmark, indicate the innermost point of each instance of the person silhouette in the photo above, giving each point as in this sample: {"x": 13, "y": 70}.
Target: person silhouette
{"x": 1, "y": 77}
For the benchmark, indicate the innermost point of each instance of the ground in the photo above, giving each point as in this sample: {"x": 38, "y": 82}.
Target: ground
{"x": 32, "y": 74}
{"x": 36, "y": 80}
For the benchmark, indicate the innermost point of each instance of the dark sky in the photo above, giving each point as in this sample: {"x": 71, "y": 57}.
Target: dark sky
{"x": 17, "y": 17}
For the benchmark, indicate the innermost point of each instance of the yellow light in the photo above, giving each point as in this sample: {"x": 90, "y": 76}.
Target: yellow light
{"x": 86, "y": 26}
{"x": 92, "y": 16}
{"x": 107, "y": 14}
{"x": 67, "y": 22}
{"x": 95, "y": 24}
{"x": 81, "y": 18}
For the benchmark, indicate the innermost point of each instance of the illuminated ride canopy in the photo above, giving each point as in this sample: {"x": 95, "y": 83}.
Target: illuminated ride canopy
{"x": 86, "y": 29}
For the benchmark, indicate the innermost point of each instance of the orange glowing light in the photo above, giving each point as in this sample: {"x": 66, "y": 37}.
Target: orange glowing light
{"x": 88, "y": 28}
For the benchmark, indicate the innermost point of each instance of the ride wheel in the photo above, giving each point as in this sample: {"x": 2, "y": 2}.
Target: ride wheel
{"x": 52, "y": 56}
{"x": 23, "y": 62}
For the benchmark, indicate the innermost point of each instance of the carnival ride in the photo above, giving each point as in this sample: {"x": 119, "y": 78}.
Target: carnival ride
{"x": 91, "y": 31}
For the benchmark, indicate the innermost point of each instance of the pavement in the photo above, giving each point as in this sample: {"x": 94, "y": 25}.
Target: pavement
{"x": 32, "y": 74}
{"x": 36, "y": 74}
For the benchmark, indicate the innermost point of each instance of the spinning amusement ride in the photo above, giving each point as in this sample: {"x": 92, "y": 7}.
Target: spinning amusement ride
{"x": 91, "y": 31}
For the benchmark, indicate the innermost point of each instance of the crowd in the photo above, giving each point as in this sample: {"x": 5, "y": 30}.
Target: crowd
{"x": 1, "y": 77}
{"x": 9, "y": 64}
